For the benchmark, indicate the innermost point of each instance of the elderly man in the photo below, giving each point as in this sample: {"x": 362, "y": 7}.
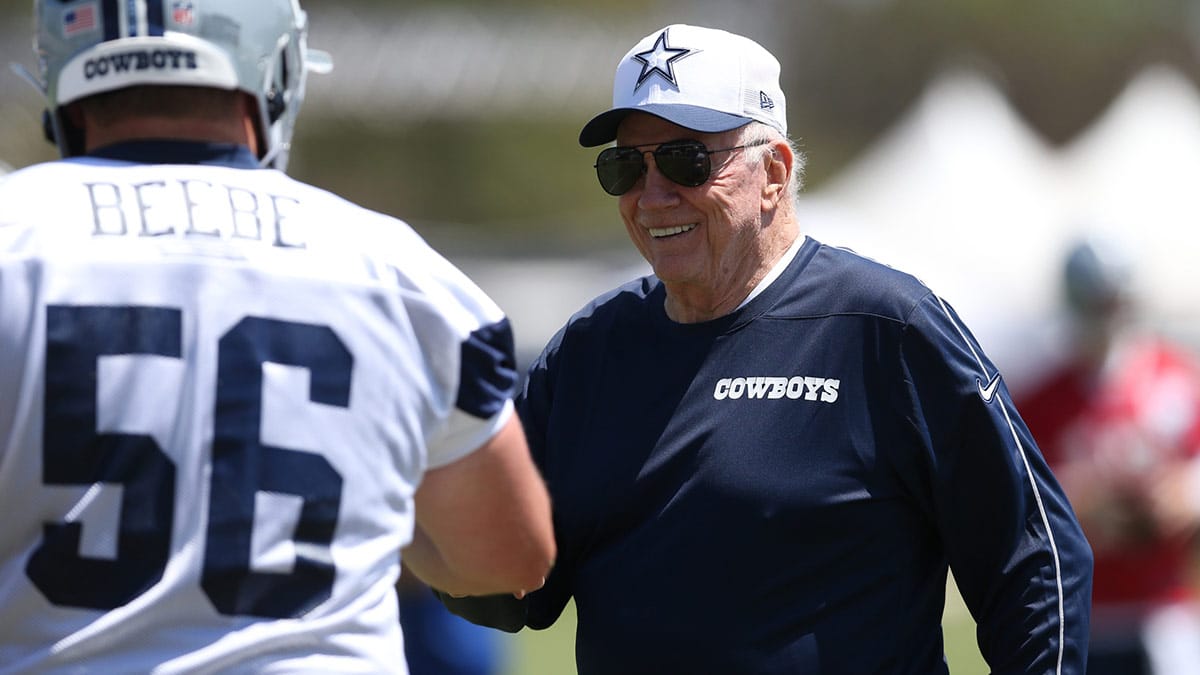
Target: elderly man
{"x": 765, "y": 457}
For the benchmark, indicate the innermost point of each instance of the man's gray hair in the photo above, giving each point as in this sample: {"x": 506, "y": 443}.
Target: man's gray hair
{"x": 756, "y": 132}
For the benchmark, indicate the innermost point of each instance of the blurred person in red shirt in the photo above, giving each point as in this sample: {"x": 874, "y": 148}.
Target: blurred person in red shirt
{"x": 1119, "y": 422}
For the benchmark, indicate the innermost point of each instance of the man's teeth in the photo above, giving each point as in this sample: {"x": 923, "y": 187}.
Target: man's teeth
{"x": 668, "y": 231}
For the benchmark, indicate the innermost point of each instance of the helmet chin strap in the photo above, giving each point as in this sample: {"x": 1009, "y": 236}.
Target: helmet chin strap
{"x": 269, "y": 158}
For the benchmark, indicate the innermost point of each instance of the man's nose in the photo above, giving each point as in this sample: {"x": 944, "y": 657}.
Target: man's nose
{"x": 656, "y": 188}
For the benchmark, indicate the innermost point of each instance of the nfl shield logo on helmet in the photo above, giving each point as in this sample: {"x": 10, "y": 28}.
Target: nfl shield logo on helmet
{"x": 181, "y": 12}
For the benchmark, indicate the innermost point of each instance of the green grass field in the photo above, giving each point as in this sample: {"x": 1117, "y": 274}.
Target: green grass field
{"x": 551, "y": 651}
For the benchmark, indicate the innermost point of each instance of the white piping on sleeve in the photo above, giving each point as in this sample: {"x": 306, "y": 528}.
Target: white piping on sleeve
{"x": 1037, "y": 494}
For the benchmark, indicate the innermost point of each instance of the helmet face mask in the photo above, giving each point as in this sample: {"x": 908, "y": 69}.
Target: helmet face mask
{"x": 87, "y": 47}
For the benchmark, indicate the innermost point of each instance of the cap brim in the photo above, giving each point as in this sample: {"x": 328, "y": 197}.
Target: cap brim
{"x": 603, "y": 127}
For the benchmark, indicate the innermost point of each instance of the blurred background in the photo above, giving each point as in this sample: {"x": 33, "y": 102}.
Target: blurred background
{"x": 966, "y": 142}
{"x": 943, "y": 138}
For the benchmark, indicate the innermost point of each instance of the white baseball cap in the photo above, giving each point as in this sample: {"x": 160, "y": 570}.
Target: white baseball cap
{"x": 704, "y": 79}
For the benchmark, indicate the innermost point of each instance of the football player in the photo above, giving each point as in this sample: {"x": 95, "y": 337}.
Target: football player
{"x": 229, "y": 399}
{"x": 1119, "y": 421}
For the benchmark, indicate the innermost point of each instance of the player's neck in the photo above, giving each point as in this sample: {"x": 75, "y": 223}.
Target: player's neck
{"x": 239, "y": 131}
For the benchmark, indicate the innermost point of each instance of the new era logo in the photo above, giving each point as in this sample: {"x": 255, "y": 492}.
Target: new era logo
{"x": 765, "y": 101}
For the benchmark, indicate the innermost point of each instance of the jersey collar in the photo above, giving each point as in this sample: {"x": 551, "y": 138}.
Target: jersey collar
{"x": 179, "y": 152}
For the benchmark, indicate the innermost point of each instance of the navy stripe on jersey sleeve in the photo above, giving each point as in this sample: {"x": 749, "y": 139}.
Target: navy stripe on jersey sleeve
{"x": 489, "y": 370}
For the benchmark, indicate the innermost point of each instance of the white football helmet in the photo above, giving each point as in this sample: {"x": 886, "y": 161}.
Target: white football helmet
{"x": 87, "y": 47}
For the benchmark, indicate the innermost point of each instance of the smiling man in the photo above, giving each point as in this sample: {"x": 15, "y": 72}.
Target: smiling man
{"x": 766, "y": 456}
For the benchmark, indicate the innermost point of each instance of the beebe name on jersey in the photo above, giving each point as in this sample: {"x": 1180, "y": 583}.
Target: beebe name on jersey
{"x": 794, "y": 388}
{"x": 189, "y": 207}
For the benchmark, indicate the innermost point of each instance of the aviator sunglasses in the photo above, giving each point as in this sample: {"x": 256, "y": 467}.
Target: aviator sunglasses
{"x": 685, "y": 162}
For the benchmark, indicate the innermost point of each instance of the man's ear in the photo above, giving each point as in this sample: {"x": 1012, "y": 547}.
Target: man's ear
{"x": 778, "y": 161}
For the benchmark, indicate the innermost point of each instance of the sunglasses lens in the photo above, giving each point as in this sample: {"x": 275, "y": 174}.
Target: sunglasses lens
{"x": 685, "y": 162}
{"x": 618, "y": 169}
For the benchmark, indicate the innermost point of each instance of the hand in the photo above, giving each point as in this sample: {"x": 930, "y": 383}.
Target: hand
{"x": 1114, "y": 507}
{"x": 1175, "y": 499}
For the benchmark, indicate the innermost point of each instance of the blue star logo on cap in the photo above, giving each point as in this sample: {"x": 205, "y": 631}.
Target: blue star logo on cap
{"x": 660, "y": 59}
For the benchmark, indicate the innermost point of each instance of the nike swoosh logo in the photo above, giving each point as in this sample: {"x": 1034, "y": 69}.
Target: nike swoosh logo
{"x": 988, "y": 392}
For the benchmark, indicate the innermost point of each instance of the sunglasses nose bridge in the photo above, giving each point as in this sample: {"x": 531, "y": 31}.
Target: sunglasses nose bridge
{"x": 649, "y": 168}
{"x": 652, "y": 161}
{"x": 655, "y": 180}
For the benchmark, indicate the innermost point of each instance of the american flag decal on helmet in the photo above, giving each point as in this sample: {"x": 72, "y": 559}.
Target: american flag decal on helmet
{"x": 79, "y": 19}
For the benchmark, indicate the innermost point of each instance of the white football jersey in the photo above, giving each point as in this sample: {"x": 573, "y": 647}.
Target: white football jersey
{"x": 219, "y": 389}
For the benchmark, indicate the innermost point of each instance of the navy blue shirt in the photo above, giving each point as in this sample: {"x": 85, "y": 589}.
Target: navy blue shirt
{"x": 783, "y": 489}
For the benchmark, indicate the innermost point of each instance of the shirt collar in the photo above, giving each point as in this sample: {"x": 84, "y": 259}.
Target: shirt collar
{"x": 776, "y": 271}
{"x": 179, "y": 152}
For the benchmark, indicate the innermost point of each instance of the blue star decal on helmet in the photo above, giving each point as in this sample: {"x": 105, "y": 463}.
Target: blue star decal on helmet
{"x": 660, "y": 59}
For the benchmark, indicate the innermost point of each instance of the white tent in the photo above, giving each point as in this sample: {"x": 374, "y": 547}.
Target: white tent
{"x": 1136, "y": 172}
{"x": 963, "y": 194}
